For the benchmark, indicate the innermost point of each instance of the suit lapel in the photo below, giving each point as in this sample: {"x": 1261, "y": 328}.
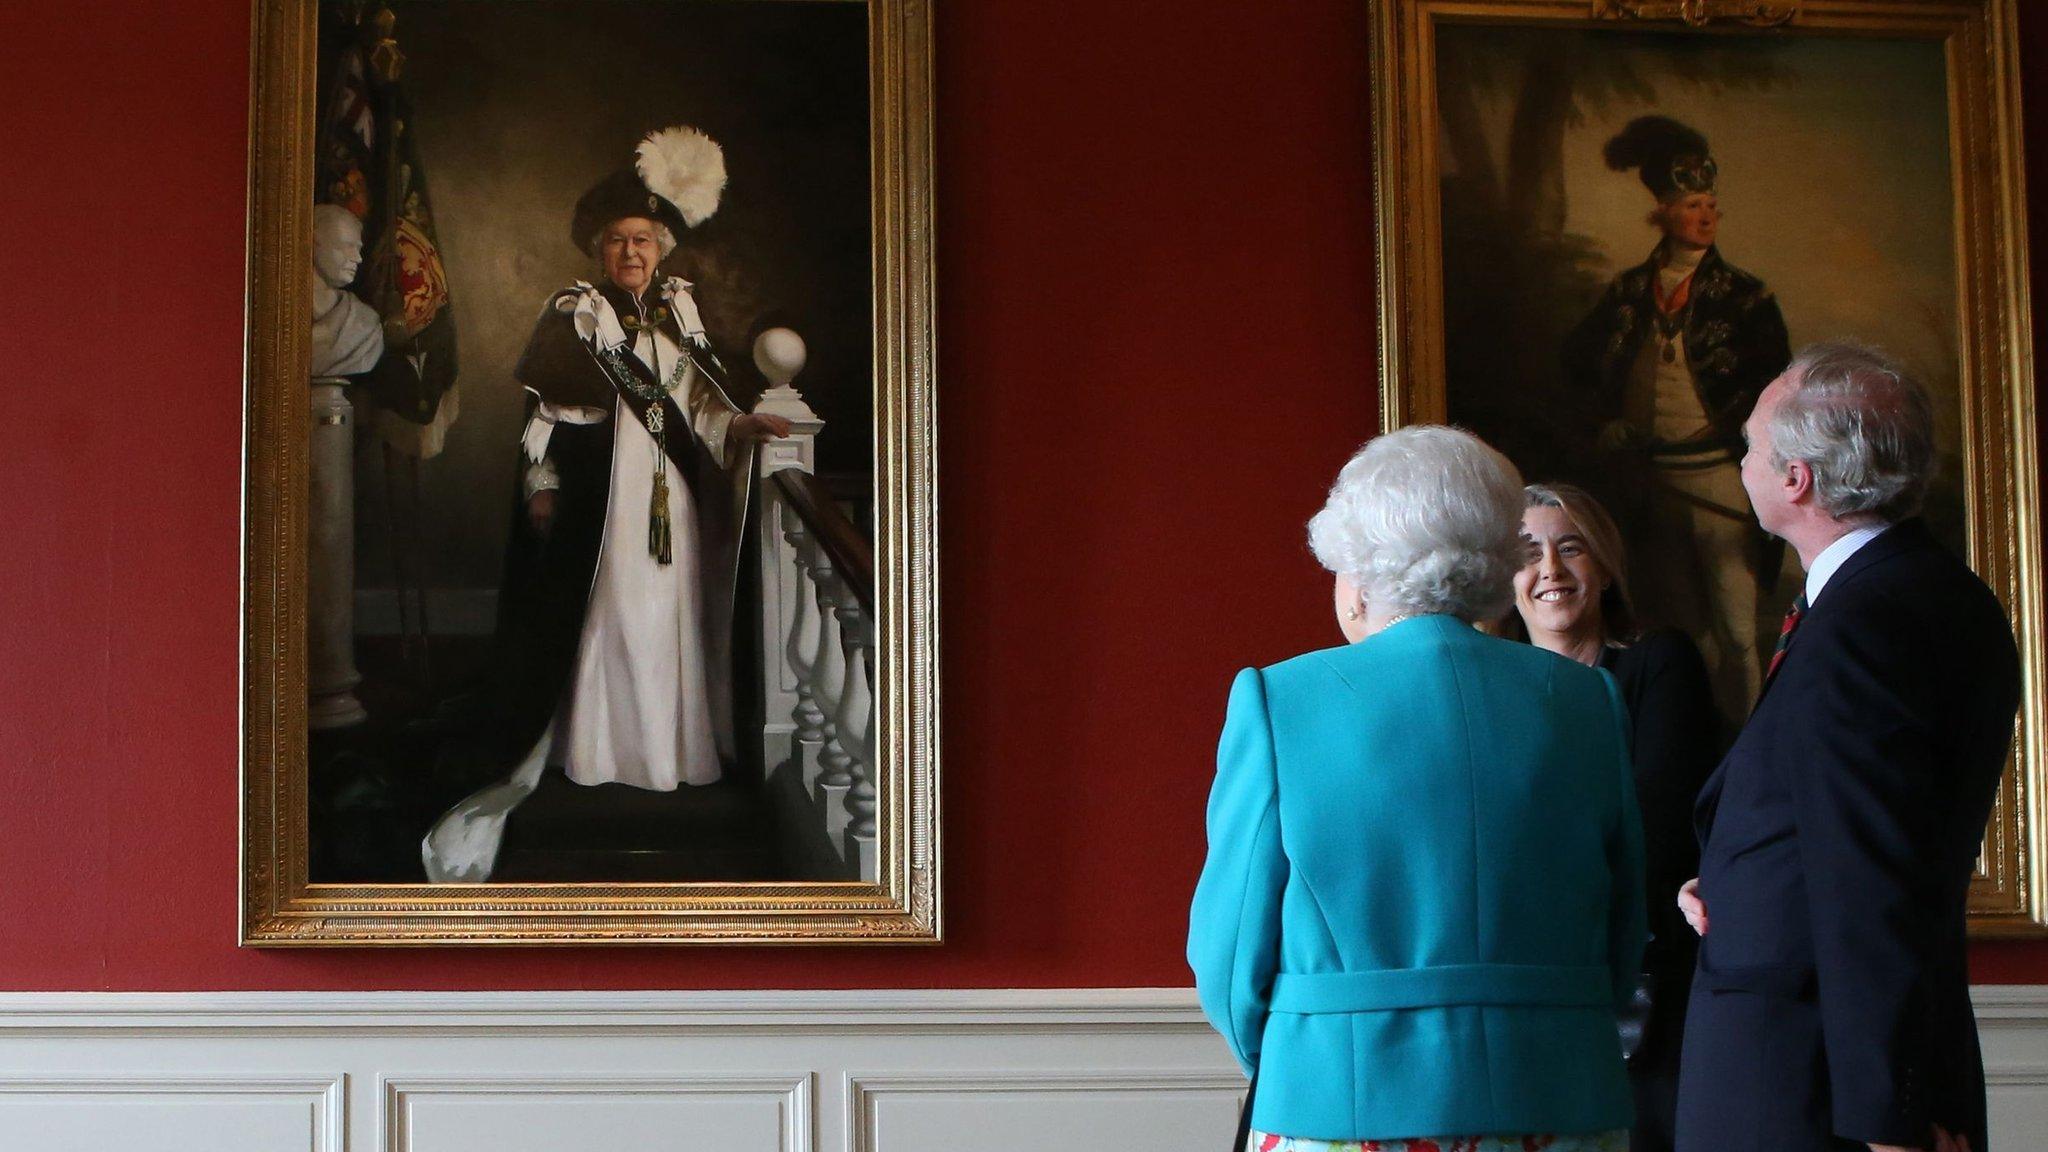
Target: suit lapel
{"x": 1901, "y": 538}
{"x": 1708, "y": 802}
{"x": 1905, "y": 536}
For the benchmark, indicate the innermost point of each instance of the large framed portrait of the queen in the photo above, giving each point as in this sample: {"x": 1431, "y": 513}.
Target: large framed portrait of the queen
{"x": 1606, "y": 225}
{"x": 589, "y": 553}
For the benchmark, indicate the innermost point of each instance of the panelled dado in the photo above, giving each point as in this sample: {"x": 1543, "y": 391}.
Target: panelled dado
{"x": 594, "y": 1111}
{"x": 169, "y": 1111}
{"x": 834, "y": 1071}
{"x": 874, "y": 1071}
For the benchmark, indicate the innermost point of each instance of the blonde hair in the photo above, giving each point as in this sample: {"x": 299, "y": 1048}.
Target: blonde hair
{"x": 1603, "y": 543}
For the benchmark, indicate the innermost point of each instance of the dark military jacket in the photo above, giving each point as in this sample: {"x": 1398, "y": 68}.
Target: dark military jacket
{"x": 1735, "y": 341}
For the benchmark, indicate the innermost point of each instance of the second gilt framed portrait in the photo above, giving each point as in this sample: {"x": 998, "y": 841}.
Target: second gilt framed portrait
{"x": 1605, "y": 225}
{"x": 590, "y": 552}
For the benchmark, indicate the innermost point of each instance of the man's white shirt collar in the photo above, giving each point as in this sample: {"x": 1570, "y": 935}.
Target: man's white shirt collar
{"x": 1835, "y": 555}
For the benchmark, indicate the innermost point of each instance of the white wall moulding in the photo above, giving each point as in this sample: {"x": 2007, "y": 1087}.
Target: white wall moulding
{"x": 172, "y": 1112}
{"x": 542, "y": 1112}
{"x": 1031, "y": 1111}
{"x": 2012, "y": 1025}
{"x": 837, "y": 1071}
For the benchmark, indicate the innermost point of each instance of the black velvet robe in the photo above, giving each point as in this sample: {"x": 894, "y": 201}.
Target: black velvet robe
{"x": 546, "y": 590}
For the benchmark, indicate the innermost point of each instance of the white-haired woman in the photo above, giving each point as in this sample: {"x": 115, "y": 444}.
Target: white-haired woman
{"x": 1422, "y": 906}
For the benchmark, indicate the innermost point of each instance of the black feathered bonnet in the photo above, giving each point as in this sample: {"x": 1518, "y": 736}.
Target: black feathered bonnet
{"x": 676, "y": 179}
{"x": 1671, "y": 158}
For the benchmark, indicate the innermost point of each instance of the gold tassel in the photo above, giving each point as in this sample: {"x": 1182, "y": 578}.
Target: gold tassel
{"x": 658, "y": 543}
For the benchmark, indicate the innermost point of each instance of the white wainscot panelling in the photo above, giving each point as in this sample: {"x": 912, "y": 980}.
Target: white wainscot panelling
{"x": 256, "y": 1112}
{"x": 951, "y": 1070}
{"x": 548, "y": 1114}
{"x": 1136, "y": 1070}
{"x": 2012, "y": 1026}
{"x": 1027, "y": 1112}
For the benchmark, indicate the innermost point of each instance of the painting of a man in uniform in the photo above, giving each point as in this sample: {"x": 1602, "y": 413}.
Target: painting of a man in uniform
{"x": 1637, "y": 227}
{"x": 1676, "y": 351}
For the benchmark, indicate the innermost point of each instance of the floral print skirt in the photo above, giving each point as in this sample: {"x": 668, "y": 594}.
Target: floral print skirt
{"x": 1614, "y": 1141}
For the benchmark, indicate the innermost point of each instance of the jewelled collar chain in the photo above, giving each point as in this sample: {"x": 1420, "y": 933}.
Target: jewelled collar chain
{"x": 615, "y": 359}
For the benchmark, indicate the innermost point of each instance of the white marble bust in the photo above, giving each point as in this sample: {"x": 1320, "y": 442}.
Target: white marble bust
{"x": 347, "y": 335}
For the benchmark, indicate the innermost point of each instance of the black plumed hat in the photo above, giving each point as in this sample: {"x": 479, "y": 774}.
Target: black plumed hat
{"x": 677, "y": 177}
{"x": 1671, "y": 158}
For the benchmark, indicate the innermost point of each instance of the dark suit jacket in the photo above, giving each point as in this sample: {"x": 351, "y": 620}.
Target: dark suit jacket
{"x": 1838, "y": 838}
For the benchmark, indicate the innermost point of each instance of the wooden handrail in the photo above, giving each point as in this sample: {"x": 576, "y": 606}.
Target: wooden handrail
{"x": 852, "y": 557}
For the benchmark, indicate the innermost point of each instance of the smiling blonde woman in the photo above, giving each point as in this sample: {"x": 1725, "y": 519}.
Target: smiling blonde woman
{"x": 1572, "y": 598}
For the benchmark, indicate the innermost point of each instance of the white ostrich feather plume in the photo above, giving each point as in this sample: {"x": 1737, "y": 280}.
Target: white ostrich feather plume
{"x": 684, "y": 167}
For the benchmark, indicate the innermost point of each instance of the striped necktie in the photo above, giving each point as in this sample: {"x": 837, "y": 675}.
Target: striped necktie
{"x": 1785, "y": 631}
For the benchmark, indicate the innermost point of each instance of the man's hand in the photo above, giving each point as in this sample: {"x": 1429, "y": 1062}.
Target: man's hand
{"x": 759, "y": 426}
{"x": 1695, "y": 909}
{"x": 540, "y": 511}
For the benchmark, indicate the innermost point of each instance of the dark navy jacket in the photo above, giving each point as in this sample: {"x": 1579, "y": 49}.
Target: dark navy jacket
{"x": 1839, "y": 836}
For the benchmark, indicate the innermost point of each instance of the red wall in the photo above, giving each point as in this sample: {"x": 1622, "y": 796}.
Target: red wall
{"x": 1156, "y": 307}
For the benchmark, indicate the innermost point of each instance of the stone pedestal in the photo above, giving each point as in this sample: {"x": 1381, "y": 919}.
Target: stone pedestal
{"x": 331, "y": 675}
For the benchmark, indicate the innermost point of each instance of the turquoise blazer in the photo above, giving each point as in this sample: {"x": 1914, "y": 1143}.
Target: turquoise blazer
{"x": 1422, "y": 906}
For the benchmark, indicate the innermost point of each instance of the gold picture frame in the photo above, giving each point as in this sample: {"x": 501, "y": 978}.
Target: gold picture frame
{"x": 1969, "y": 49}
{"x": 280, "y": 904}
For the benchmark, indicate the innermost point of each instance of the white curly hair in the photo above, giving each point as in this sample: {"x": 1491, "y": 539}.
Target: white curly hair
{"x": 1425, "y": 520}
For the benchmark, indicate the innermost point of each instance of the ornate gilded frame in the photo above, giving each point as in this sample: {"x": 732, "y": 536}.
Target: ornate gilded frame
{"x": 279, "y": 906}
{"x": 2010, "y": 894}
